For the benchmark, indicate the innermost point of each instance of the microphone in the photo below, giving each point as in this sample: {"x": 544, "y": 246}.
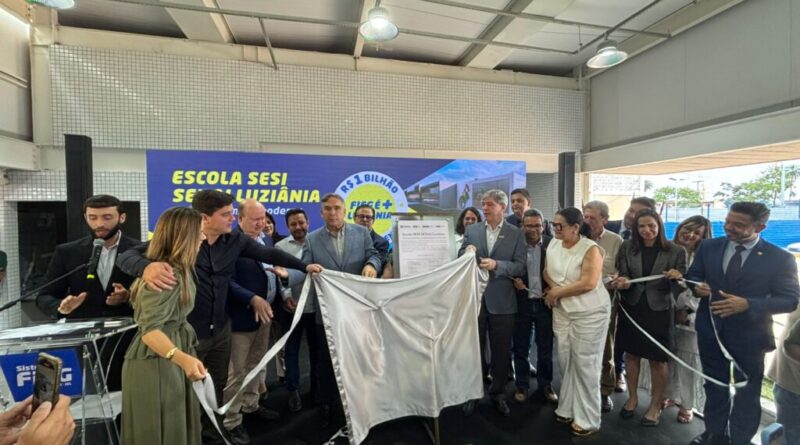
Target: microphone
{"x": 94, "y": 259}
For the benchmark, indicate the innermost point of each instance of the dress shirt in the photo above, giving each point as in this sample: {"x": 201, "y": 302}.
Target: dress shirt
{"x": 492, "y": 234}
{"x": 272, "y": 286}
{"x": 534, "y": 270}
{"x": 108, "y": 256}
{"x": 730, "y": 249}
{"x": 338, "y": 241}
{"x": 295, "y": 248}
{"x": 610, "y": 243}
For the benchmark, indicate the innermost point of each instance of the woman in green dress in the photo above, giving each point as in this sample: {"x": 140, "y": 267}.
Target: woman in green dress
{"x": 158, "y": 404}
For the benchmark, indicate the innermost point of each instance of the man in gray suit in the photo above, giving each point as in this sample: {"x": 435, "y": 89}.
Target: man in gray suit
{"x": 344, "y": 248}
{"x": 500, "y": 249}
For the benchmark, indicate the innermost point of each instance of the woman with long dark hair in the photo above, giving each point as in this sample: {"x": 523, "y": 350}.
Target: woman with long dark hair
{"x": 650, "y": 304}
{"x": 468, "y": 216}
{"x": 581, "y": 313}
{"x": 684, "y": 385}
{"x": 271, "y": 230}
{"x": 157, "y": 398}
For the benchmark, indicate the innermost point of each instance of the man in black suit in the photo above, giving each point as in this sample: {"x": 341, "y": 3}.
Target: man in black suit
{"x": 107, "y": 295}
{"x": 252, "y": 296}
{"x": 365, "y": 216}
{"x": 531, "y": 311}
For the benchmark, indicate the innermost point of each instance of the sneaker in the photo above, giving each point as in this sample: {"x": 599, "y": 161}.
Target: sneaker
{"x": 239, "y": 435}
{"x": 295, "y": 403}
{"x": 621, "y": 385}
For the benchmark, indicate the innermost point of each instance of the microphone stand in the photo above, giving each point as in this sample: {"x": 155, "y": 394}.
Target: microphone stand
{"x": 33, "y": 292}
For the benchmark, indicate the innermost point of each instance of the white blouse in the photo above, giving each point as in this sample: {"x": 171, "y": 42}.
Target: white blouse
{"x": 564, "y": 267}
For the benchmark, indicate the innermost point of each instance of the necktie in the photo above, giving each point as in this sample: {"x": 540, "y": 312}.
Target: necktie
{"x": 734, "y": 268}
{"x": 626, "y": 234}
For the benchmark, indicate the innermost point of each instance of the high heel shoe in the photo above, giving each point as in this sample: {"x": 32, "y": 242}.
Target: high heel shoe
{"x": 648, "y": 422}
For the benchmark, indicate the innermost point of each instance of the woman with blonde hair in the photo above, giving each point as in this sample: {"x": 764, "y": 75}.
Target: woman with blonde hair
{"x": 157, "y": 400}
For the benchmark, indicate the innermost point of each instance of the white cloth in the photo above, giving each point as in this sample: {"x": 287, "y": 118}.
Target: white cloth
{"x": 399, "y": 347}
{"x": 403, "y": 347}
{"x": 105, "y": 266}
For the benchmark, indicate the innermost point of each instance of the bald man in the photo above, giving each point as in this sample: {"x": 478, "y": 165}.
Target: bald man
{"x": 251, "y": 297}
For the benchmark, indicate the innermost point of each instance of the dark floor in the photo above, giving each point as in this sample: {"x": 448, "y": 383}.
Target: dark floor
{"x": 531, "y": 422}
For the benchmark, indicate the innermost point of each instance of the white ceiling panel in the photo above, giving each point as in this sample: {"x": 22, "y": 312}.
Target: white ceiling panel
{"x": 138, "y": 19}
{"x": 602, "y": 12}
{"x": 301, "y": 36}
{"x": 431, "y": 17}
{"x": 415, "y": 48}
{"x": 658, "y": 12}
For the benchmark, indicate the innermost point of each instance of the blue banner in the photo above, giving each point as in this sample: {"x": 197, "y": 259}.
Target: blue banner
{"x": 20, "y": 369}
{"x": 282, "y": 182}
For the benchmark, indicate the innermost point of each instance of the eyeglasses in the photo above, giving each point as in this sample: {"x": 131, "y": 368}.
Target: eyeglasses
{"x": 365, "y": 217}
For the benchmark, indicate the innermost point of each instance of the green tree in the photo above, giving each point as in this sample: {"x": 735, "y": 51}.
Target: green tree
{"x": 686, "y": 196}
{"x": 765, "y": 189}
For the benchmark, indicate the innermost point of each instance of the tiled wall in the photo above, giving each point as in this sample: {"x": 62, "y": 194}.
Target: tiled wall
{"x": 135, "y": 101}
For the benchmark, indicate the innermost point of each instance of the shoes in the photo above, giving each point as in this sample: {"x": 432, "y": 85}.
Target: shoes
{"x": 621, "y": 385}
{"x": 606, "y": 404}
{"x": 265, "y": 414}
{"x": 520, "y": 395}
{"x": 532, "y": 371}
{"x": 325, "y": 412}
{"x": 560, "y": 419}
{"x": 685, "y": 416}
{"x": 502, "y": 407}
{"x": 626, "y": 413}
{"x": 295, "y": 403}
{"x": 468, "y": 407}
{"x": 239, "y": 435}
{"x": 648, "y": 422}
{"x": 708, "y": 438}
{"x": 580, "y": 432}
{"x": 549, "y": 394}
{"x": 487, "y": 379}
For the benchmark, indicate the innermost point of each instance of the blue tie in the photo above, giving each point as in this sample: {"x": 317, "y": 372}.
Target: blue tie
{"x": 626, "y": 234}
{"x": 734, "y": 269}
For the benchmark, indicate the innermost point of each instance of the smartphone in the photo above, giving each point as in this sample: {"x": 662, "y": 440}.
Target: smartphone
{"x": 47, "y": 382}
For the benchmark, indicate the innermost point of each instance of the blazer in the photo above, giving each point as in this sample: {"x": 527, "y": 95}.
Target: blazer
{"x": 525, "y": 304}
{"x": 70, "y": 255}
{"x": 500, "y": 296}
{"x": 661, "y": 294}
{"x": 768, "y": 281}
{"x": 358, "y": 252}
{"x": 249, "y": 280}
{"x": 614, "y": 226}
{"x": 382, "y": 246}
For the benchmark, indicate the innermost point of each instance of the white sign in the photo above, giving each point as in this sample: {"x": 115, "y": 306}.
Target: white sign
{"x": 423, "y": 245}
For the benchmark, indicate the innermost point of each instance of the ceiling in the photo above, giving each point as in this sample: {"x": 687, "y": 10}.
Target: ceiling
{"x": 562, "y": 44}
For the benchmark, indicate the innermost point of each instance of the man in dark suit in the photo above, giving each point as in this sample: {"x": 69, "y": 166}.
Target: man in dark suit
{"x": 531, "y": 311}
{"x": 745, "y": 280}
{"x": 622, "y": 227}
{"x": 253, "y": 294}
{"x": 365, "y": 216}
{"x": 501, "y": 250}
{"x": 106, "y": 295}
{"x": 341, "y": 247}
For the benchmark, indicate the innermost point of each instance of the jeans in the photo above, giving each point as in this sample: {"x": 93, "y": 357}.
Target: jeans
{"x": 534, "y": 314}
{"x": 292, "y": 352}
{"x": 788, "y": 404}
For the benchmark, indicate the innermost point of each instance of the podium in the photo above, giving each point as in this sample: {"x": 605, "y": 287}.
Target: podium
{"x": 80, "y": 344}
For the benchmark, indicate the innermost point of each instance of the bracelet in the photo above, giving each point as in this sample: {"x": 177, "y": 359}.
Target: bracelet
{"x": 170, "y": 353}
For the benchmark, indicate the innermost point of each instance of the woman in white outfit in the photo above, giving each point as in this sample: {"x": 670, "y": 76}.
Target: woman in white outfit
{"x": 581, "y": 311}
{"x": 684, "y": 385}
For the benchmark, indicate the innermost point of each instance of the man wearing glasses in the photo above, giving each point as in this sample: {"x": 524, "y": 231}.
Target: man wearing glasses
{"x": 365, "y": 216}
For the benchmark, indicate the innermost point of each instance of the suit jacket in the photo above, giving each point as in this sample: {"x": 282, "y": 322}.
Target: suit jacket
{"x": 525, "y": 304}
{"x": 510, "y": 253}
{"x": 382, "y": 246}
{"x": 661, "y": 294}
{"x": 358, "y": 252}
{"x": 768, "y": 281}
{"x": 71, "y": 255}
{"x": 614, "y": 226}
{"x": 249, "y": 280}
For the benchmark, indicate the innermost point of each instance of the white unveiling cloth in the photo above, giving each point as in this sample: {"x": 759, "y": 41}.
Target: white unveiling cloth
{"x": 403, "y": 347}
{"x": 399, "y": 347}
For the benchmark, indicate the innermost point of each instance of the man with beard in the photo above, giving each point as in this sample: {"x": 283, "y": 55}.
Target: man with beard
{"x": 297, "y": 222}
{"x": 106, "y": 295}
{"x": 745, "y": 280}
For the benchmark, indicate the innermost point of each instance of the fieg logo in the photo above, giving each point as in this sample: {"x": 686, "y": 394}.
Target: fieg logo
{"x": 25, "y": 375}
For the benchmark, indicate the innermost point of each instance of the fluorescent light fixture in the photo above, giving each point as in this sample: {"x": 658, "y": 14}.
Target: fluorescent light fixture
{"x": 378, "y": 27}
{"x": 55, "y": 4}
{"x": 607, "y": 55}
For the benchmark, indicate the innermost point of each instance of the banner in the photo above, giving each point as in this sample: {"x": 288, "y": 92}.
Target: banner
{"x": 282, "y": 182}
{"x": 20, "y": 369}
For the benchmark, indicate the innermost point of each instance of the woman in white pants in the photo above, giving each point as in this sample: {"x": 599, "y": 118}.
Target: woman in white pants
{"x": 581, "y": 310}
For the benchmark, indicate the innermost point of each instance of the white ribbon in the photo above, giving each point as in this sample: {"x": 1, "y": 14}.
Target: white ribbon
{"x": 204, "y": 389}
{"x": 675, "y": 358}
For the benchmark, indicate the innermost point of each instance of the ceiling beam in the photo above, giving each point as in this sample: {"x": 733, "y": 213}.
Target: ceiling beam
{"x": 210, "y": 27}
{"x": 508, "y": 28}
{"x": 366, "y": 5}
